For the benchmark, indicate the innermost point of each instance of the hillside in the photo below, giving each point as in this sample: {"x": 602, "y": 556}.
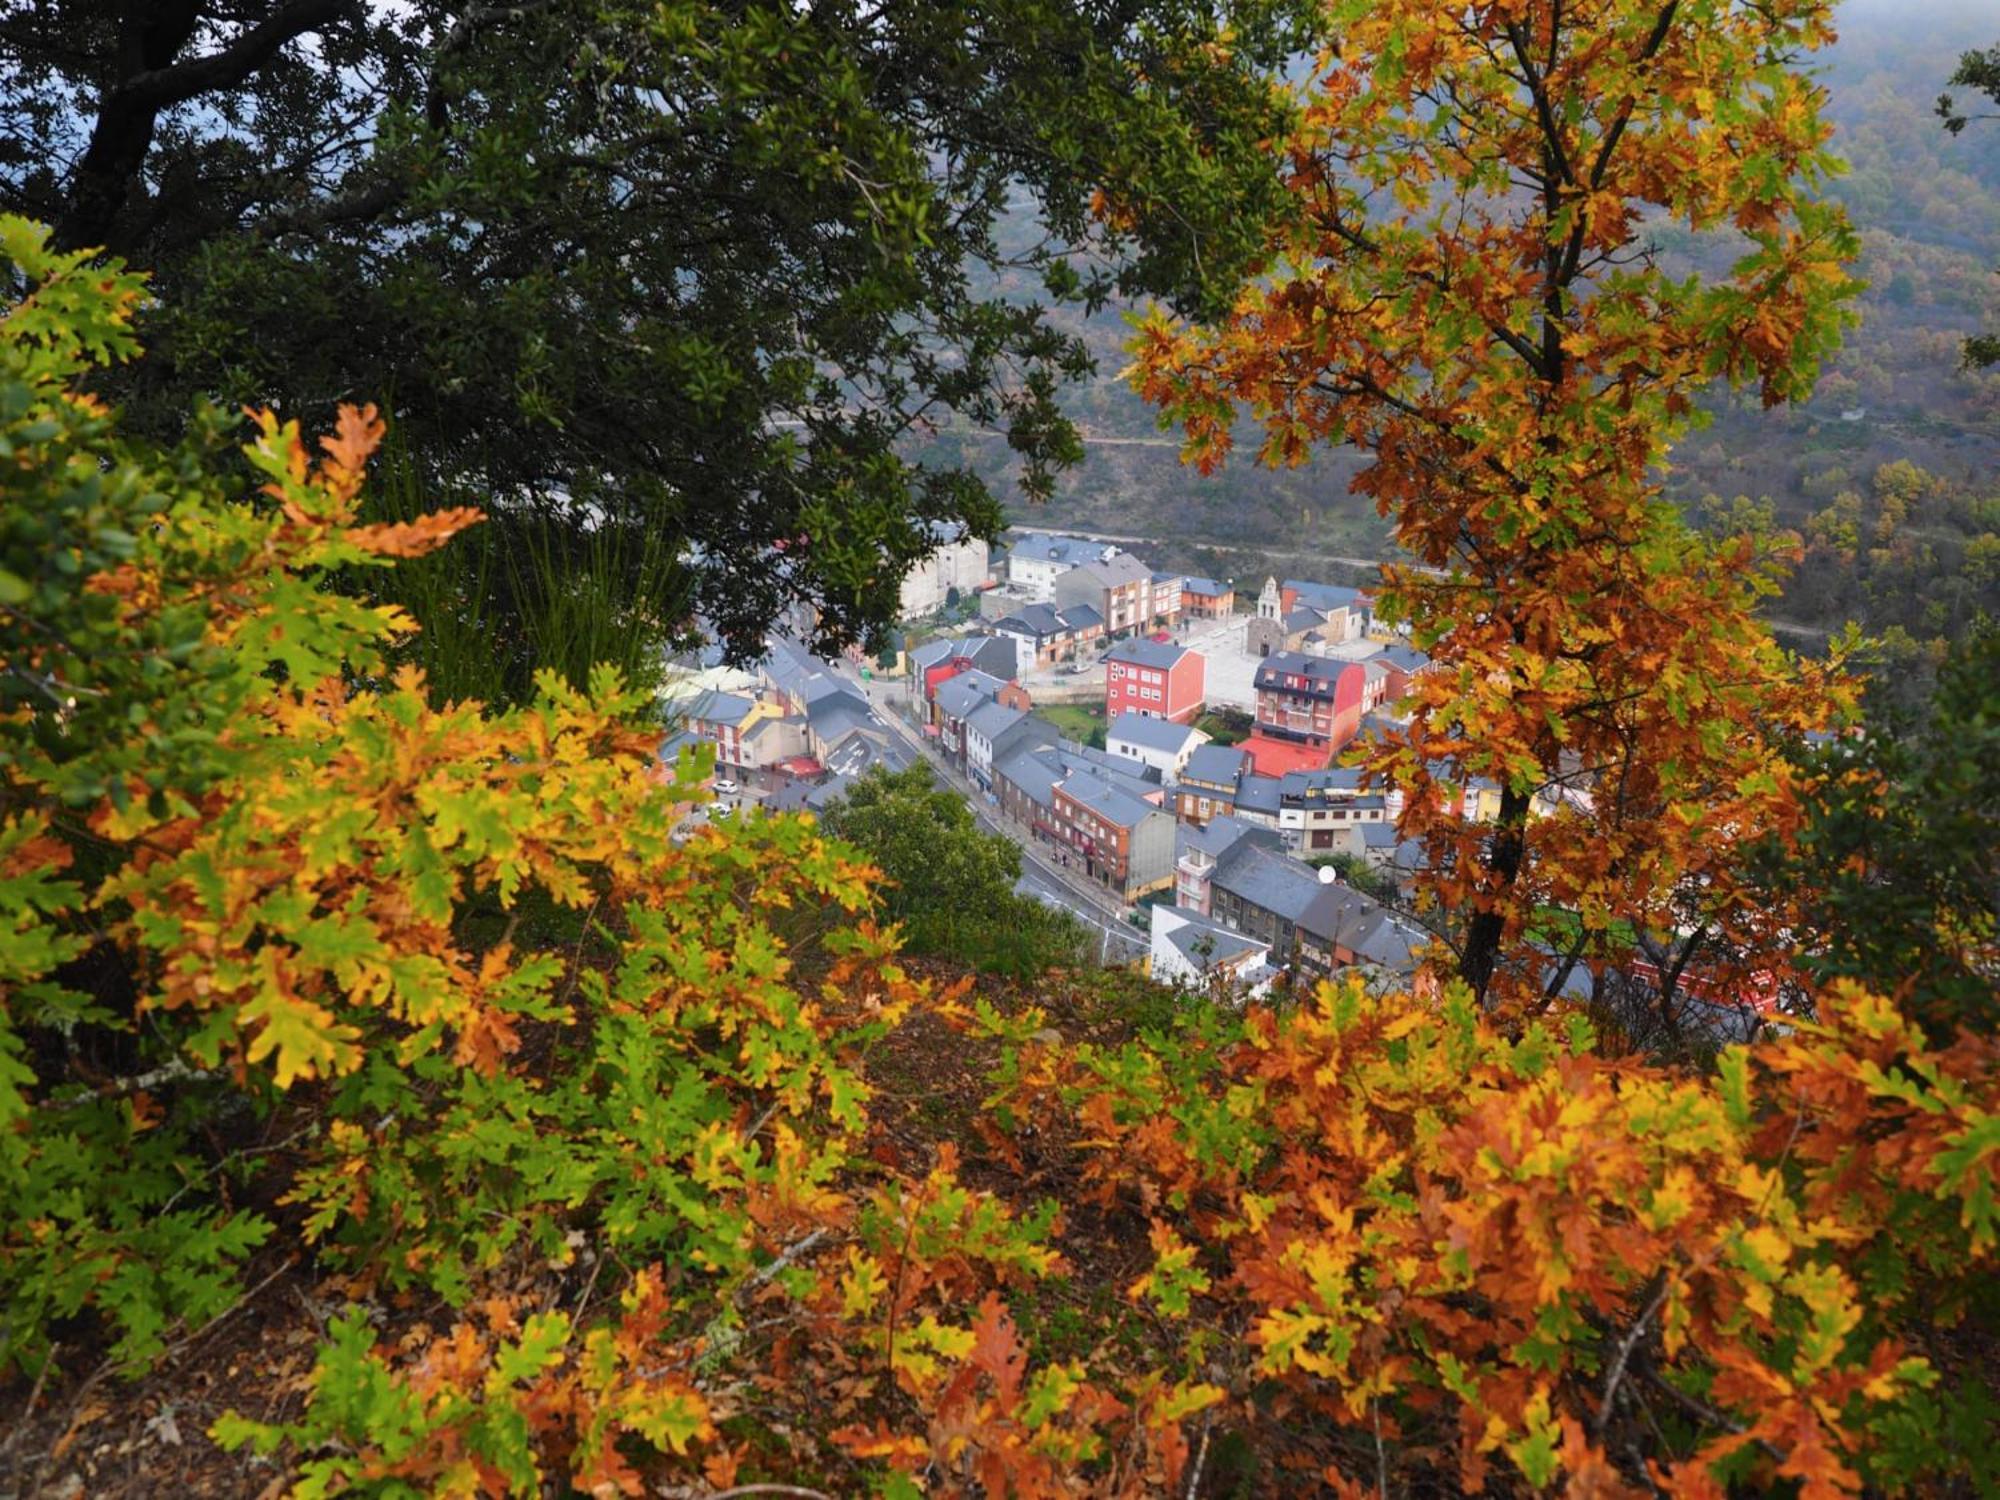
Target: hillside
{"x": 1927, "y": 206}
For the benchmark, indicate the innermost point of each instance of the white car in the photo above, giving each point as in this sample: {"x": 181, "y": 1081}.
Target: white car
{"x": 726, "y": 788}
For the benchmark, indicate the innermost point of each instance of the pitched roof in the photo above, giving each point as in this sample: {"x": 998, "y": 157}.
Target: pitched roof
{"x": 1315, "y": 785}
{"x": 716, "y": 707}
{"x": 991, "y": 654}
{"x": 1219, "y": 764}
{"x": 1303, "y": 619}
{"x": 1224, "y": 833}
{"x": 1208, "y": 588}
{"x": 930, "y": 653}
{"x": 1038, "y": 546}
{"x": 834, "y": 718}
{"x": 1118, "y": 569}
{"x": 1118, "y": 808}
{"x": 1151, "y": 734}
{"x": 958, "y": 696}
{"x": 1081, "y": 617}
{"x": 991, "y": 719}
{"x": 1035, "y": 620}
{"x": 1362, "y": 925}
{"x": 1257, "y": 793}
{"x": 1324, "y": 596}
{"x": 1274, "y": 757}
{"x": 1206, "y": 944}
{"x": 1034, "y": 772}
{"x": 1145, "y": 652}
{"x": 1027, "y": 731}
{"x": 1261, "y": 877}
{"x": 1322, "y": 671}
{"x": 1403, "y": 658}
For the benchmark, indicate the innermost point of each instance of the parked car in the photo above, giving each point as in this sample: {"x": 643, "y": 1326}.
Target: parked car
{"x": 727, "y": 788}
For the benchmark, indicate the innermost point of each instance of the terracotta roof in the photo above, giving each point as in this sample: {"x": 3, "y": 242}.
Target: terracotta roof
{"x": 1274, "y": 757}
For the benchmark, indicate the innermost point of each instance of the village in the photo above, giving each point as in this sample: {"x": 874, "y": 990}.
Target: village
{"x": 1166, "y": 750}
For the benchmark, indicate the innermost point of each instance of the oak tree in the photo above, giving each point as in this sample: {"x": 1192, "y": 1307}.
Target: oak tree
{"x": 1466, "y": 292}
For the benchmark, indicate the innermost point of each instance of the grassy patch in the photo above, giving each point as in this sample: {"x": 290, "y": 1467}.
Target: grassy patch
{"x": 1083, "y": 722}
{"x": 1225, "y": 726}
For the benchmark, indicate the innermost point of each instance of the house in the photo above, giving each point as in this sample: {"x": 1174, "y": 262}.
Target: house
{"x": 1207, "y": 599}
{"x": 1314, "y": 924}
{"x": 1091, "y": 815}
{"x": 1342, "y": 927}
{"x": 1389, "y": 853}
{"x": 1256, "y": 890}
{"x": 996, "y": 728}
{"x": 770, "y": 742}
{"x": 956, "y": 566}
{"x": 1401, "y": 664}
{"x": 937, "y": 661}
{"x": 1119, "y": 588}
{"x": 1113, "y": 836}
{"x": 955, "y": 701}
{"x": 1164, "y": 609}
{"x": 1344, "y": 611}
{"x": 1258, "y": 801}
{"x": 1275, "y": 757}
{"x": 834, "y": 717}
{"x": 1035, "y": 561}
{"x": 723, "y": 719}
{"x": 1323, "y": 811}
{"x": 1159, "y": 743}
{"x": 795, "y": 678}
{"x": 1200, "y": 848}
{"x": 1154, "y": 678}
{"x": 1316, "y": 700}
{"x": 1188, "y": 951}
{"x": 1207, "y": 783}
{"x": 1044, "y": 634}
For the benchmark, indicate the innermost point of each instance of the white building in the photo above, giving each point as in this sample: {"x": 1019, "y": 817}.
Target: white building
{"x": 960, "y": 563}
{"x": 1193, "y": 952}
{"x": 1155, "y": 742}
{"x": 1035, "y": 561}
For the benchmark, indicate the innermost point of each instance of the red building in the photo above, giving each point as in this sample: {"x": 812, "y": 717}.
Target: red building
{"x": 1156, "y": 679}
{"x": 1317, "y": 700}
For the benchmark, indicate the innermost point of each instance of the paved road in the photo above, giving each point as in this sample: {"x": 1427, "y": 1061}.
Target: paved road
{"x": 1040, "y": 880}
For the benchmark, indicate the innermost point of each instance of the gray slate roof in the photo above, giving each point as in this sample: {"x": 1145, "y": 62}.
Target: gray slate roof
{"x": 1145, "y": 652}
{"x": 1118, "y": 569}
{"x": 1322, "y": 671}
{"x": 990, "y": 720}
{"x": 718, "y": 707}
{"x": 1150, "y": 734}
{"x": 834, "y": 718}
{"x": 1224, "y": 833}
{"x": 1040, "y": 547}
{"x": 1208, "y": 588}
{"x": 1340, "y": 914}
{"x": 1323, "y": 596}
{"x": 1205, "y": 943}
{"x": 1256, "y": 793}
{"x": 1216, "y": 763}
{"x": 1116, "y": 807}
{"x": 1260, "y": 877}
{"x": 956, "y": 697}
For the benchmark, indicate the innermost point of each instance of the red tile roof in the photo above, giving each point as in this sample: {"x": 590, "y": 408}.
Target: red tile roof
{"x": 1274, "y": 757}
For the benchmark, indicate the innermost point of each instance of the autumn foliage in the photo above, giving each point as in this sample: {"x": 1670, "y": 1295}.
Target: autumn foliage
{"x": 1465, "y": 292}
{"x": 580, "y": 1120}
